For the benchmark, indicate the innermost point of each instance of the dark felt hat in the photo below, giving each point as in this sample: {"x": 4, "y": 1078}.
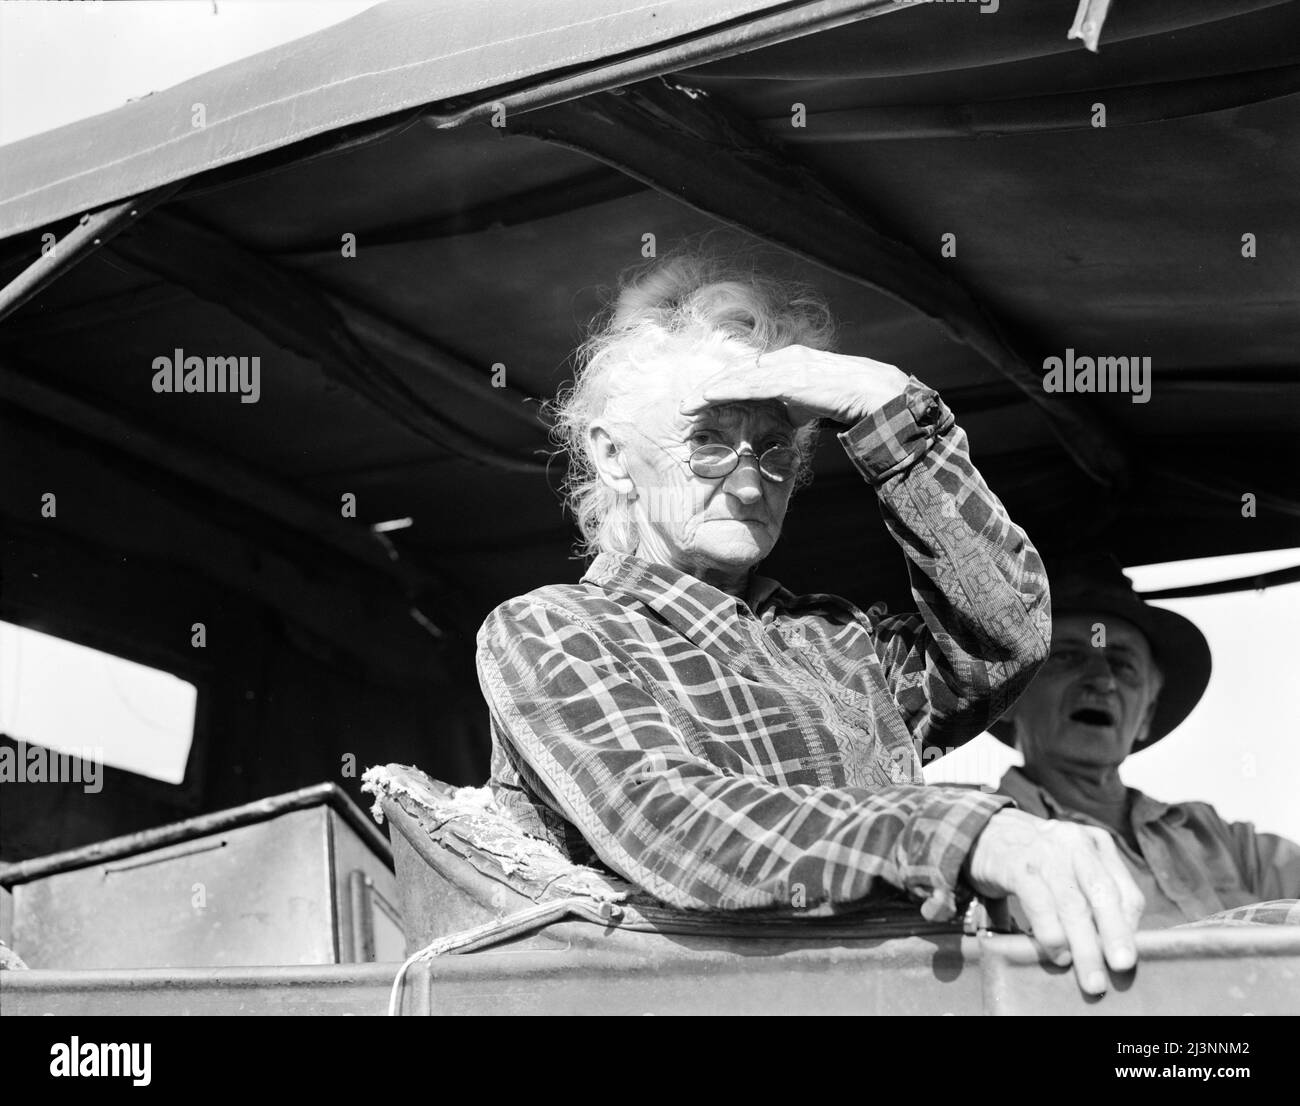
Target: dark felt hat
{"x": 1095, "y": 582}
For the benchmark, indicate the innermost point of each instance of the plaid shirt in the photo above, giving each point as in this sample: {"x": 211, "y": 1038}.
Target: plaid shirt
{"x": 762, "y": 752}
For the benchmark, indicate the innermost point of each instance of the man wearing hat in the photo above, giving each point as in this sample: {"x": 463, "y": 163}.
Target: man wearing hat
{"x": 1120, "y": 676}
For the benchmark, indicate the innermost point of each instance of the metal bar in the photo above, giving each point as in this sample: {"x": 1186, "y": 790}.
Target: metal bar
{"x": 292, "y": 312}
{"x": 1257, "y": 582}
{"x": 689, "y": 146}
{"x": 94, "y": 229}
{"x": 1126, "y": 106}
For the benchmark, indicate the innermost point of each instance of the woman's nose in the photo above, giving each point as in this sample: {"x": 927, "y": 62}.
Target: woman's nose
{"x": 746, "y": 481}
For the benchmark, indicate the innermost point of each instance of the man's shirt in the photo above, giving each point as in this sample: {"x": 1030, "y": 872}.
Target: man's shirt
{"x": 762, "y": 752}
{"x": 1190, "y": 861}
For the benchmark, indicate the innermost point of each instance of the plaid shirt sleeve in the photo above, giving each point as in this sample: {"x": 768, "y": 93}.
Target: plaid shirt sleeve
{"x": 614, "y": 754}
{"x": 984, "y": 622}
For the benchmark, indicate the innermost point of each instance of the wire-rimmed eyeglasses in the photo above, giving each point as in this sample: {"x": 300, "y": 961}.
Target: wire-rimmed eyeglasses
{"x": 777, "y": 463}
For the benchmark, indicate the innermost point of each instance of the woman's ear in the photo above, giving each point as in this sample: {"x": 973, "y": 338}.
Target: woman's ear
{"x": 609, "y": 458}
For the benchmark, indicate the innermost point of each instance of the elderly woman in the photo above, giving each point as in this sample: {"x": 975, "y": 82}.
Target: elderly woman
{"x": 723, "y": 743}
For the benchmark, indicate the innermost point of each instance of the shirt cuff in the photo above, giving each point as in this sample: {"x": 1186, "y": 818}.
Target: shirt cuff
{"x": 891, "y": 439}
{"x": 940, "y": 838}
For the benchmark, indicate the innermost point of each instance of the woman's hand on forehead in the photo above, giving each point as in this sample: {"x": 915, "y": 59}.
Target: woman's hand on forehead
{"x": 757, "y": 416}
{"x": 812, "y": 384}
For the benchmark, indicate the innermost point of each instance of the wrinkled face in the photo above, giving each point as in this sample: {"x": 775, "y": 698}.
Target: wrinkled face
{"x": 716, "y": 529}
{"x": 1088, "y": 705}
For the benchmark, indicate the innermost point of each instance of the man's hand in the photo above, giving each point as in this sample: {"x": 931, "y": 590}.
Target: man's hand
{"x": 1073, "y": 886}
{"x": 813, "y": 384}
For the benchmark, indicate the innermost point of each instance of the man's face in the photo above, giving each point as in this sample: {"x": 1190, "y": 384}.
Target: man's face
{"x": 706, "y": 527}
{"x": 1089, "y": 704}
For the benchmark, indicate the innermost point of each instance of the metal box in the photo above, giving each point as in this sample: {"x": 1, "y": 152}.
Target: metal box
{"x": 301, "y": 878}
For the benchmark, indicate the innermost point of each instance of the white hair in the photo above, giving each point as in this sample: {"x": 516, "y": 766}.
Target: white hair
{"x": 688, "y": 302}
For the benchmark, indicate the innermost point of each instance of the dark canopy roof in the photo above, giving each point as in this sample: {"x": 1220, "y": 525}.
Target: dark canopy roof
{"x": 481, "y": 245}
